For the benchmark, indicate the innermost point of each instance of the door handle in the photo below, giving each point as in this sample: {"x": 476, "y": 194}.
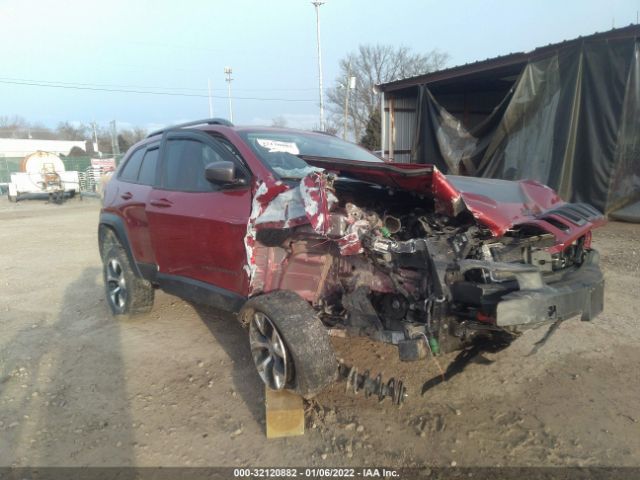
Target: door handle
{"x": 126, "y": 196}
{"x": 161, "y": 203}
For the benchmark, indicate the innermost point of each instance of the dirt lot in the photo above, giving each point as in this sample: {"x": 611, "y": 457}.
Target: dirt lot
{"x": 177, "y": 386}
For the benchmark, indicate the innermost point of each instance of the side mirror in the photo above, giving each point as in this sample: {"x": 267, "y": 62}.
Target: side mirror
{"x": 223, "y": 173}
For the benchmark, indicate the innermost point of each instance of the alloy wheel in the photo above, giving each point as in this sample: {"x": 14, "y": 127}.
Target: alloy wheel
{"x": 269, "y": 352}
{"x": 116, "y": 284}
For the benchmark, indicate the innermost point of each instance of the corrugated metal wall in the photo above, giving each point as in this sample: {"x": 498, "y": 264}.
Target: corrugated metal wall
{"x": 399, "y": 126}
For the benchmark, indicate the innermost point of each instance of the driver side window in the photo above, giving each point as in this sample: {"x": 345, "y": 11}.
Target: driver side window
{"x": 184, "y": 164}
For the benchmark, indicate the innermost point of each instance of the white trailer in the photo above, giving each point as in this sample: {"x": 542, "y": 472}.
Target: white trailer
{"x": 43, "y": 173}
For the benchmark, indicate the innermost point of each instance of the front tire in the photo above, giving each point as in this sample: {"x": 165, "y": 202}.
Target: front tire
{"x": 289, "y": 344}
{"x": 127, "y": 294}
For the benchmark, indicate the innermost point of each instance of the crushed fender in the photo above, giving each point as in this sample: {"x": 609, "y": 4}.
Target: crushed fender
{"x": 395, "y": 252}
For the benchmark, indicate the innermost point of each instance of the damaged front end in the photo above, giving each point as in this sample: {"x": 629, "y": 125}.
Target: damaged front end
{"x": 404, "y": 255}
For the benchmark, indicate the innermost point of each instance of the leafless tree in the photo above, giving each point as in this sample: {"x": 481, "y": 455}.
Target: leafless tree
{"x": 70, "y": 131}
{"x": 372, "y": 65}
{"x": 128, "y": 137}
{"x": 10, "y": 125}
{"x": 331, "y": 126}
{"x": 18, "y": 127}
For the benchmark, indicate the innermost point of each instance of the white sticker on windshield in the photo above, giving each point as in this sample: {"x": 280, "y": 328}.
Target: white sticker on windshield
{"x": 278, "y": 146}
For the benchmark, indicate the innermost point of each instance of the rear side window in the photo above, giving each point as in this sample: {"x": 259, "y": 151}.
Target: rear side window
{"x": 185, "y": 162}
{"x": 132, "y": 167}
{"x": 147, "y": 174}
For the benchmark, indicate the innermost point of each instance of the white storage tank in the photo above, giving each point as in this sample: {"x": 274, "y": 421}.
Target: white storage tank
{"x": 43, "y": 172}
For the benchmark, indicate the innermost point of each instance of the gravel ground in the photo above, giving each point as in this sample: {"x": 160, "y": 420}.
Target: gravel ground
{"x": 177, "y": 387}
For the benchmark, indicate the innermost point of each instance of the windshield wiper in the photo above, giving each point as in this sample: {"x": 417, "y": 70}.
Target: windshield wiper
{"x": 290, "y": 178}
{"x": 319, "y": 157}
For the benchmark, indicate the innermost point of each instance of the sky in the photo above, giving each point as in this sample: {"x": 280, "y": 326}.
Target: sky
{"x": 178, "y": 46}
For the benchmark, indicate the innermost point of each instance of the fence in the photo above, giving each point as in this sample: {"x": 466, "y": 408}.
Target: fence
{"x": 9, "y": 165}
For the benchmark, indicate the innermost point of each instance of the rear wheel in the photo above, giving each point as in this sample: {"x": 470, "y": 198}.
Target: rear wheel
{"x": 12, "y": 198}
{"x": 127, "y": 294}
{"x": 289, "y": 344}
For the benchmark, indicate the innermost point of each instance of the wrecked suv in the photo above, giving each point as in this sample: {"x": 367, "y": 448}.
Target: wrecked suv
{"x": 303, "y": 234}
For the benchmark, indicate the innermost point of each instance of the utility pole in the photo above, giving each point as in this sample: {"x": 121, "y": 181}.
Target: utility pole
{"x": 96, "y": 147}
{"x": 228, "y": 71}
{"x": 349, "y": 85}
{"x": 115, "y": 148}
{"x": 210, "y": 99}
{"x": 317, "y": 4}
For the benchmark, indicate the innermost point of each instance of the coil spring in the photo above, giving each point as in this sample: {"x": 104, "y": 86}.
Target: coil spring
{"x": 356, "y": 382}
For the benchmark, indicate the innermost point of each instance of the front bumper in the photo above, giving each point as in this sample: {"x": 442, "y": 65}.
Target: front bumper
{"x": 537, "y": 300}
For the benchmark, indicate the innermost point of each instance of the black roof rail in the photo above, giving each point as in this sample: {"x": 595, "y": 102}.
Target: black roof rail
{"x": 205, "y": 121}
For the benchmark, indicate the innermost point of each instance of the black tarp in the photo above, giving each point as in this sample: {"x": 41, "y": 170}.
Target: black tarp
{"x": 571, "y": 121}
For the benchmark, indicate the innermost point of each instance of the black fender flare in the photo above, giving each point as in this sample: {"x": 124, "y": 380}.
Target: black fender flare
{"x": 115, "y": 223}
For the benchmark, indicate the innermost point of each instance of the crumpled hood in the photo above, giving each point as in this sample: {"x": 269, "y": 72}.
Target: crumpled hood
{"x": 500, "y": 205}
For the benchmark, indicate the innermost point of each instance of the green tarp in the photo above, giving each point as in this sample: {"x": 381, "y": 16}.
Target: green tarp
{"x": 571, "y": 121}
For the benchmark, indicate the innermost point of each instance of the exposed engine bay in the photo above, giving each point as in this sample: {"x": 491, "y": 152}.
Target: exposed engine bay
{"x": 404, "y": 266}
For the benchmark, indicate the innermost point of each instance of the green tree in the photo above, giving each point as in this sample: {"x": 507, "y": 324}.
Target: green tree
{"x": 371, "y": 137}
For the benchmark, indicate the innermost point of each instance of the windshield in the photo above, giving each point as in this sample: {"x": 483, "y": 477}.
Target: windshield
{"x": 284, "y": 151}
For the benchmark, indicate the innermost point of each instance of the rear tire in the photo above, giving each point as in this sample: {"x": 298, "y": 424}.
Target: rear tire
{"x": 289, "y": 344}
{"x": 12, "y": 198}
{"x": 127, "y": 294}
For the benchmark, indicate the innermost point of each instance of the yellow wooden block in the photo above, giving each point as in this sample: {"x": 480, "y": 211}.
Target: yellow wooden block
{"x": 284, "y": 413}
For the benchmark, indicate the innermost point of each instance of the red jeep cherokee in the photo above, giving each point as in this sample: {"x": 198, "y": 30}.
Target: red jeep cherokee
{"x": 302, "y": 233}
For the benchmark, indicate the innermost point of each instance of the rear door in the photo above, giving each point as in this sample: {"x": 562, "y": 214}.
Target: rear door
{"x": 134, "y": 186}
{"x": 198, "y": 228}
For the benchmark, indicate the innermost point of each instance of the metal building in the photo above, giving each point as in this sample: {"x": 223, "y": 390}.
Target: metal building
{"x": 469, "y": 92}
{"x": 566, "y": 115}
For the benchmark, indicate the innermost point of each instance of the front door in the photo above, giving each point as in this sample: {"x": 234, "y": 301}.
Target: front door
{"x": 197, "y": 227}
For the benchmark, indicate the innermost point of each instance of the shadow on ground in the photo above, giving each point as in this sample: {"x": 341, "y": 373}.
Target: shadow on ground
{"x": 64, "y": 383}
{"x": 233, "y": 338}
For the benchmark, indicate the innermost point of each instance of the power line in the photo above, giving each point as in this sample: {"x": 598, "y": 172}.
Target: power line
{"x": 142, "y": 92}
{"x": 57, "y": 82}
{"x": 111, "y": 85}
